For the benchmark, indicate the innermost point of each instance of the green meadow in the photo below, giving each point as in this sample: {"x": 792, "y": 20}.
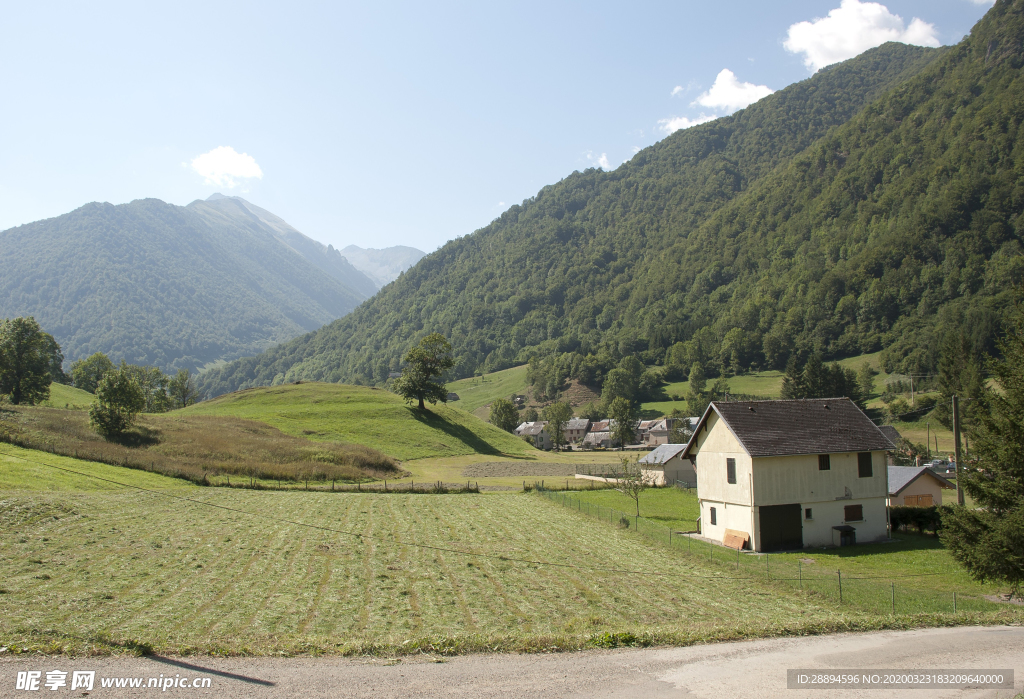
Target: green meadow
{"x": 368, "y": 416}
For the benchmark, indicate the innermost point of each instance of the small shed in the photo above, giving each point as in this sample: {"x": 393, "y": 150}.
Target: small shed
{"x": 665, "y": 465}
{"x": 916, "y": 486}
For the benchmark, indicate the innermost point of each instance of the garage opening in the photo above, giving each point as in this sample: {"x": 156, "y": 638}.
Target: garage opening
{"x": 781, "y": 527}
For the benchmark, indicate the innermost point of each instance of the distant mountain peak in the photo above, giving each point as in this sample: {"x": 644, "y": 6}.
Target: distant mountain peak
{"x": 215, "y": 196}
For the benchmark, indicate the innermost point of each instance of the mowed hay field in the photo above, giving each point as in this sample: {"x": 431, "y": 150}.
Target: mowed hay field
{"x": 372, "y": 417}
{"x": 115, "y": 570}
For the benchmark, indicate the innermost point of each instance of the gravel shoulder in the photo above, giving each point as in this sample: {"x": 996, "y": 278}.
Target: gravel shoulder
{"x": 755, "y": 669}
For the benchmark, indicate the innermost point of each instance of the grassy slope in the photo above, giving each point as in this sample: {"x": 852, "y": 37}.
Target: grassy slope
{"x": 27, "y": 469}
{"x": 671, "y": 506}
{"x": 372, "y": 417}
{"x": 68, "y": 397}
{"x": 480, "y": 391}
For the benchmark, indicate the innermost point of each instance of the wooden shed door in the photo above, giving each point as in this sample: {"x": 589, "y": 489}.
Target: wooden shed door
{"x": 781, "y": 528}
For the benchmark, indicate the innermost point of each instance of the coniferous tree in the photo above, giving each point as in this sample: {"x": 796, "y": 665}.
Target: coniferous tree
{"x": 988, "y": 540}
{"x": 960, "y": 374}
{"x": 793, "y": 382}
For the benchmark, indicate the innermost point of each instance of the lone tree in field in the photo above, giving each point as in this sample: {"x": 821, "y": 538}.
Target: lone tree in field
{"x": 989, "y": 541}
{"x": 25, "y": 359}
{"x": 557, "y": 415}
{"x": 504, "y": 415}
{"x": 425, "y": 367}
{"x": 120, "y": 399}
{"x": 631, "y": 480}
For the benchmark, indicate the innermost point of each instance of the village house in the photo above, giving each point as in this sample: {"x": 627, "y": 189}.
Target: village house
{"x": 916, "y": 486}
{"x": 576, "y": 429}
{"x": 600, "y": 435}
{"x": 537, "y": 432}
{"x": 660, "y": 431}
{"x": 777, "y": 475}
{"x": 666, "y": 465}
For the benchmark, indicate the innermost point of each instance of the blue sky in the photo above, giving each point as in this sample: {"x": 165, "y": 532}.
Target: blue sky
{"x": 390, "y": 123}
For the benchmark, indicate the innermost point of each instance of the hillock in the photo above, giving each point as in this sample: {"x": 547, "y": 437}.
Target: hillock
{"x": 366, "y": 416}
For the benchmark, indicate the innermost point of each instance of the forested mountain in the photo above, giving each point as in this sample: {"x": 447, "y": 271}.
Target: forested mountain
{"x": 382, "y": 265}
{"x": 170, "y": 286}
{"x": 238, "y": 211}
{"x": 874, "y": 205}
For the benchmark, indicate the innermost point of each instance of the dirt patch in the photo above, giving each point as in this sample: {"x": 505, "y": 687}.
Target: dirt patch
{"x": 517, "y": 469}
{"x": 1004, "y": 599}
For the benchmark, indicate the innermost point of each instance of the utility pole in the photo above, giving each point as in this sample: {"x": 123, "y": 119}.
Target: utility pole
{"x": 956, "y": 452}
{"x": 912, "y": 404}
{"x": 928, "y": 440}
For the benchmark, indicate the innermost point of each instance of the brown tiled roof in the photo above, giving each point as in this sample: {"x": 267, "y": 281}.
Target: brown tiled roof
{"x": 785, "y": 427}
{"x": 891, "y": 434}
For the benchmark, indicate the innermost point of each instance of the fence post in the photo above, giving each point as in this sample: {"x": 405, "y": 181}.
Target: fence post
{"x": 893, "y": 598}
{"x": 767, "y": 570}
{"x": 800, "y": 572}
{"x": 840, "y": 574}
{"x": 954, "y": 601}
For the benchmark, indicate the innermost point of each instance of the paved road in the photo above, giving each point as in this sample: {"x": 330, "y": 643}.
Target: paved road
{"x": 745, "y": 669}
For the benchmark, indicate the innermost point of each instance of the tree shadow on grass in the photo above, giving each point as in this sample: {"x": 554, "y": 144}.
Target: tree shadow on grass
{"x": 136, "y": 437}
{"x": 459, "y": 432}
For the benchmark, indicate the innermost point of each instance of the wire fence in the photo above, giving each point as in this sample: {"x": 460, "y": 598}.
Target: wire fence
{"x": 882, "y": 594}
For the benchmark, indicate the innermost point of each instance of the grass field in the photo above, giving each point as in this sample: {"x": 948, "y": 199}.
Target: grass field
{"x": 88, "y": 570}
{"x": 371, "y": 417}
{"x": 671, "y": 506}
{"x": 100, "y": 569}
{"x": 68, "y": 398}
{"x": 479, "y": 391}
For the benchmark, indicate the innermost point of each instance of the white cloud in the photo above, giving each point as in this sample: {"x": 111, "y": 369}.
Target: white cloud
{"x": 675, "y": 123}
{"x": 677, "y": 89}
{"x": 852, "y": 28}
{"x": 224, "y": 167}
{"x": 730, "y": 94}
{"x": 600, "y": 161}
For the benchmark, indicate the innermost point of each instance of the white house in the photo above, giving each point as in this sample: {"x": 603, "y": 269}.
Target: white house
{"x": 916, "y": 486}
{"x": 787, "y": 474}
{"x": 665, "y": 465}
{"x": 537, "y": 432}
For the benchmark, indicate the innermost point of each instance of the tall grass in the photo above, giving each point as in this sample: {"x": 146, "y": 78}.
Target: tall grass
{"x": 196, "y": 447}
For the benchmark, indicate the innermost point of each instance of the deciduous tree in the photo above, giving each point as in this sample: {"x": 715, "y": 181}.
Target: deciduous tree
{"x": 557, "y": 415}
{"x": 626, "y": 420}
{"x": 504, "y": 415}
{"x": 182, "y": 389}
{"x": 24, "y": 361}
{"x": 120, "y": 399}
{"x": 87, "y": 373}
{"x": 425, "y": 367}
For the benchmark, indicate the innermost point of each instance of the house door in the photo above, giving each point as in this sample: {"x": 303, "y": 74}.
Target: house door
{"x": 781, "y": 528}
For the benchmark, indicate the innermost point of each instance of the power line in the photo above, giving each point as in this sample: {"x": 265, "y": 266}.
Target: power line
{"x": 430, "y": 547}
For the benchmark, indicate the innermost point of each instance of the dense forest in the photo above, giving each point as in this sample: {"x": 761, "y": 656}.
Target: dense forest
{"x": 170, "y": 286}
{"x": 873, "y": 206}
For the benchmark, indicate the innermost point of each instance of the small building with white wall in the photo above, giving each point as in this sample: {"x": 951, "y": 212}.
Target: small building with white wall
{"x": 788, "y": 474}
{"x": 916, "y": 486}
{"x": 665, "y": 465}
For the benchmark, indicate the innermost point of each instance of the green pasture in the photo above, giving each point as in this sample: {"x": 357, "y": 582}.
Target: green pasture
{"x": 672, "y": 507}
{"x": 88, "y": 570}
{"x": 27, "y": 469}
{"x": 367, "y": 416}
{"x": 480, "y": 391}
{"x": 68, "y": 398}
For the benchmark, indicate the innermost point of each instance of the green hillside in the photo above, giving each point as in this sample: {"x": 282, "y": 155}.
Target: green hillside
{"x": 68, "y": 397}
{"x": 562, "y": 271}
{"x": 367, "y": 416}
{"x": 171, "y": 286}
{"x": 478, "y": 391}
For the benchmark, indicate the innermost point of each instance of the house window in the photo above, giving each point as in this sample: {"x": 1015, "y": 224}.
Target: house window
{"x": 853, "y": 513}
{"x": 864, "y": 464}
{"x": 714, "y": 516}
{"x": 730, "y": 470}
{"x": 807, "y": 513}
{"x": 824, "y": 462}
